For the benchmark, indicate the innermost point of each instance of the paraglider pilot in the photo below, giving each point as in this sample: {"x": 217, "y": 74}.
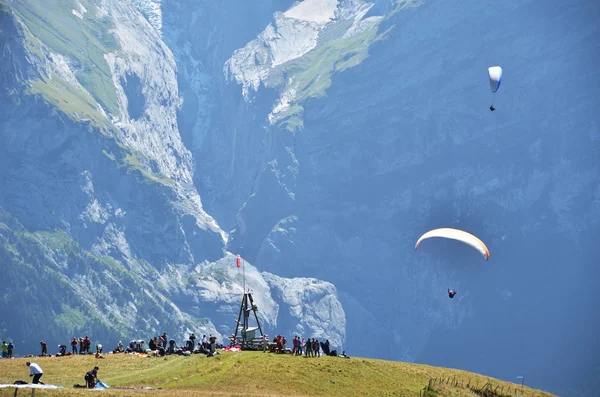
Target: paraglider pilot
{"x": 495, "y": 73}
{"x": 91, "y": 377}
{"x": 36, "y": 371}
{"x": 451, "y": 293}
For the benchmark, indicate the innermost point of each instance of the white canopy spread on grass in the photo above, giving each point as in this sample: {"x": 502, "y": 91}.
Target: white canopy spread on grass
{"x": 31, "y": 386}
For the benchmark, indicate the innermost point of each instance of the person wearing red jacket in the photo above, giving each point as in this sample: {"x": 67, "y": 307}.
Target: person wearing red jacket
{"x": 74, "y": 345}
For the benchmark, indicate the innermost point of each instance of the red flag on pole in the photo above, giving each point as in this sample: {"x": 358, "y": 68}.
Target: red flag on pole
{"x": 238, "y": 261}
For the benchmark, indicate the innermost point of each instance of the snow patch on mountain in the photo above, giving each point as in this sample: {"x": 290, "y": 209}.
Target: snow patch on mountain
{"x": 361, "y": 23}
{"x": 318, "y": 11}
{"x": 80, "y": 10}
{"x": 282, "y": 41}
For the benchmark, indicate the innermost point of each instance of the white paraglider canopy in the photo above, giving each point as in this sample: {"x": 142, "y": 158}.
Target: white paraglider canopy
{"x": 495, "y": 73}
{"x": 459, "y": 235}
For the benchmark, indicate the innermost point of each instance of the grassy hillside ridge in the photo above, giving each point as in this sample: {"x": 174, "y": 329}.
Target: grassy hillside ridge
{"x": 250, "y": 373}
{"x": 81, "y": 32}
{"x": 310, "y": 75}
{"x": 79, "y": 100}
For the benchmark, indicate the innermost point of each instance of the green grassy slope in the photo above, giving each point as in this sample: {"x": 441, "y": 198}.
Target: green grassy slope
{"x": 254, "y": 373}
{"x": 51, "y": 27}
{"x": 84, "y": 41}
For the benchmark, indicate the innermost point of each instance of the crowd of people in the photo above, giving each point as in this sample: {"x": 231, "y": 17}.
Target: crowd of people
{"x": 81, "y": 346}
{"x": 162, "y": 346}
{"x": 158, "y": 346}
{"x": 310, "y": 347}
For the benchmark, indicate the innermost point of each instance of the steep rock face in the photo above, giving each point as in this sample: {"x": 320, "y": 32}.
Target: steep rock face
{"x": 313, "y": 309}
{"x": 83, "y": 169}
{"x": 149, "y": 145}
{"x": 97, "y": 185}
{"x": 222, "y": 290}
{"x": 217, "y": 125}
{"x": 307, "y": 307}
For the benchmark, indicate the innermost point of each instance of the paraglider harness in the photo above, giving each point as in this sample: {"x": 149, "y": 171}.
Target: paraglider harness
{"x": 451, "y": 293}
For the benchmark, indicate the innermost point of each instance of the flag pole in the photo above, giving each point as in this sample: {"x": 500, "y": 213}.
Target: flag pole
{"x": 243, "y": 271}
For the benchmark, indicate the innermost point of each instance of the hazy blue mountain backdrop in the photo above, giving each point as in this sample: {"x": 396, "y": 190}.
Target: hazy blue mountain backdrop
{"x": 146, "y": 143}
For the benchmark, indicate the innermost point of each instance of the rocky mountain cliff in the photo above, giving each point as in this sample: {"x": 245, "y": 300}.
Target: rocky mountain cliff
{"x": 154, "y": 140}
{"x": 103, "y": 231}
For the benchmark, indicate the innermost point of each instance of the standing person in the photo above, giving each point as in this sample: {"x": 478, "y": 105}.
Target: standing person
{"x": 74, "y": 345}
{"x": 325, "y": 347}
{"x": 213, "y": 344}
{"x": 35, "y": 371}
{"x": 91, "y": 377}
{"x": 86, "y": 344}
{"x": 44, "y": 348}
{"x": 317, "y": 348}
{"x": 10, "y": 349}
{"x": 308, "y": 350}
{"x": 4, "y": 349}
